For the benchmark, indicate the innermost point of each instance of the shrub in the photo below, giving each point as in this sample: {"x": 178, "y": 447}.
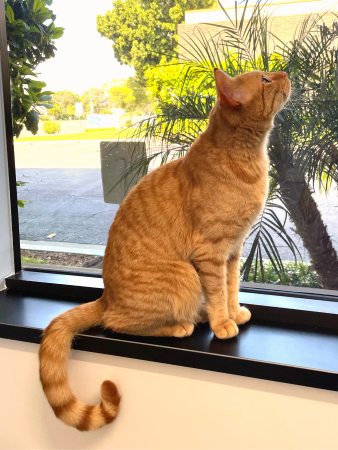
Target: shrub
{"x": 66, "y": 116}
{"x": 51, "y": 127}
{"x": 300, "y": 275}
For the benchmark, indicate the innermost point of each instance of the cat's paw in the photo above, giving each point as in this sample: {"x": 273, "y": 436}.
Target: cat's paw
{"x": 225, "y": 330}
{"x": 183, "y": 330}
{"x": 243, "y": 316}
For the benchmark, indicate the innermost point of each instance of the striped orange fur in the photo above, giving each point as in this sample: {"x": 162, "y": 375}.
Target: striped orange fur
{"x": 177, "y": 238}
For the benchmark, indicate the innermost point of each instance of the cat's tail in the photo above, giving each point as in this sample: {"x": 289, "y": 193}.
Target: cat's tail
{"x": 54, "y": 349}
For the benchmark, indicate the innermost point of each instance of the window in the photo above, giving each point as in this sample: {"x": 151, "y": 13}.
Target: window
{"x": 65, "y": 175}
{"x": 57, "y": 175}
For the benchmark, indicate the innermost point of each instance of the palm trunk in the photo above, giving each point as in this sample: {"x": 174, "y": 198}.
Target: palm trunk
{"x": 310, "y": 226}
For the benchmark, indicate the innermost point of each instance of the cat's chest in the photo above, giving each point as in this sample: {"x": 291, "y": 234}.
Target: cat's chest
{"x": 235, "y": 195}
{"x": 230, "y": 209}
{"x": 241, "y": 202}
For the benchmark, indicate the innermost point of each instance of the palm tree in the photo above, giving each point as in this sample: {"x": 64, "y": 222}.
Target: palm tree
{"x": 303, "y": 147}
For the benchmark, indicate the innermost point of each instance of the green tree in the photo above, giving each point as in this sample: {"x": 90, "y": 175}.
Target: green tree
{"x": 64, "y": 103}
{"x": 98, "y": 98}
{"x": 303, "y": 146}
{"x": 130, "y": 95}
{"x": 144, "y": 33}
{"x": 165, "y": 83}
{"x": 31, "y": 42}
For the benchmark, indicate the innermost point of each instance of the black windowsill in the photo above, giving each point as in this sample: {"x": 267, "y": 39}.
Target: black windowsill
{"x": 265, "y": 304}
{"x": 290, "y": 353}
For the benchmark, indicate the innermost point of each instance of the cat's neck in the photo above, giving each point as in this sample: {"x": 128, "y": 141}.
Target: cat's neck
{"x": 247, "y": 136}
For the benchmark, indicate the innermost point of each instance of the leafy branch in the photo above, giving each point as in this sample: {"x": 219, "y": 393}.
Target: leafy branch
{"x": 31, "y": 42}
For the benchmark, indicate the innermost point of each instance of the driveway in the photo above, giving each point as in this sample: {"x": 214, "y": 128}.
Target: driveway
{"x": 64, "y": 184}
{"x": 68, "y": 202}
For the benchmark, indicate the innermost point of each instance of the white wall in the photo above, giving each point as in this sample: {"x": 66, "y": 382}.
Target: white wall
{"x": 163, "y": 407}
{"x": 6, "y": 256}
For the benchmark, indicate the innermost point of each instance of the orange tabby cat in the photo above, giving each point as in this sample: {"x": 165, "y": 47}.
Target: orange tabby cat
{"x": 177, "y": 236}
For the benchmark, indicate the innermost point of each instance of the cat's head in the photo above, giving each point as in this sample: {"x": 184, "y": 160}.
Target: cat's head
{"x": 252, "y": 96}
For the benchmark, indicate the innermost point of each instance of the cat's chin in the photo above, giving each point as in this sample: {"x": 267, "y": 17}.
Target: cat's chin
{"x": 286, "y": 96}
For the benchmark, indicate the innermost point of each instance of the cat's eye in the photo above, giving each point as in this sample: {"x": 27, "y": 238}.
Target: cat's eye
{"x": 265, "y": 80}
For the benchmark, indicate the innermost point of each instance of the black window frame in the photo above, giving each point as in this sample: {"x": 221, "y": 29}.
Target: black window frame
{"x": 9, "y": 140}
{"x": 245, "y": 287}
{"x": 62, "y": 282}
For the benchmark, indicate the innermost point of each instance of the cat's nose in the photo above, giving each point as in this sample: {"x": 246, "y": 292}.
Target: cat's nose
{"x": 285, "y": 75}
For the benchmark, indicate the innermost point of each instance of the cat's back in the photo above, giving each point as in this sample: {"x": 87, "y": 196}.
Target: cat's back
{"x": 151, "y": 222}
{"x": 154, "y": 197}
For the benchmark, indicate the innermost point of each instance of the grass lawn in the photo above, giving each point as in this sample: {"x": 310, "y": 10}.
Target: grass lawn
{"x": 92, "y": 135}
{"x": 26, "y": 259}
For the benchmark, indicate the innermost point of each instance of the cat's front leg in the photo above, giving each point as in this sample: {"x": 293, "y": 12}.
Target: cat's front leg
{"x": 211, "y": 269}
{"x": 238, "y": 313}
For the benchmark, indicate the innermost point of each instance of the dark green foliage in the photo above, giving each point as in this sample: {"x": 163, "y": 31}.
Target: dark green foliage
{"x": 144, "y": 33}
{"x": 32, "y": 121}
{"x": 300, "y": 275}
{"x": 30, "y": 42}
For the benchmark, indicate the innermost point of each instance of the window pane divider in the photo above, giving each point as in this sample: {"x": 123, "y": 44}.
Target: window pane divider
{"x": 6, "y": 88}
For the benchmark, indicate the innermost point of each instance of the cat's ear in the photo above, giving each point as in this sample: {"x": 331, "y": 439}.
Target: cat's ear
{"x": 228, "y": 91}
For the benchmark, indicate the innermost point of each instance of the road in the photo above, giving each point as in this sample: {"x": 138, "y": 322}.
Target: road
{"x": 64, "y": 184}
{"x": 58, "y": 155}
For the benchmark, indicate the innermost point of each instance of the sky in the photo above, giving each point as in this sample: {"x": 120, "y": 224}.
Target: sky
{"x": 83, "y": 56}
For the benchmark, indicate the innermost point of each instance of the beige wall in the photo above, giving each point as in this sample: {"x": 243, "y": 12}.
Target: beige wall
{"x": 283, "y": 26}
{"x": 276, "y": 8}
{"x": 163, "y": 407}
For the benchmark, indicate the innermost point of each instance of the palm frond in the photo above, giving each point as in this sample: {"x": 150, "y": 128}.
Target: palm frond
{"x": 266, "y": 230}
{"x": 305, "y": 134}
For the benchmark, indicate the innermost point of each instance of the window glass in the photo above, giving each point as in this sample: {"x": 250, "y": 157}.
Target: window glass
{"x": 126, "y": 83}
